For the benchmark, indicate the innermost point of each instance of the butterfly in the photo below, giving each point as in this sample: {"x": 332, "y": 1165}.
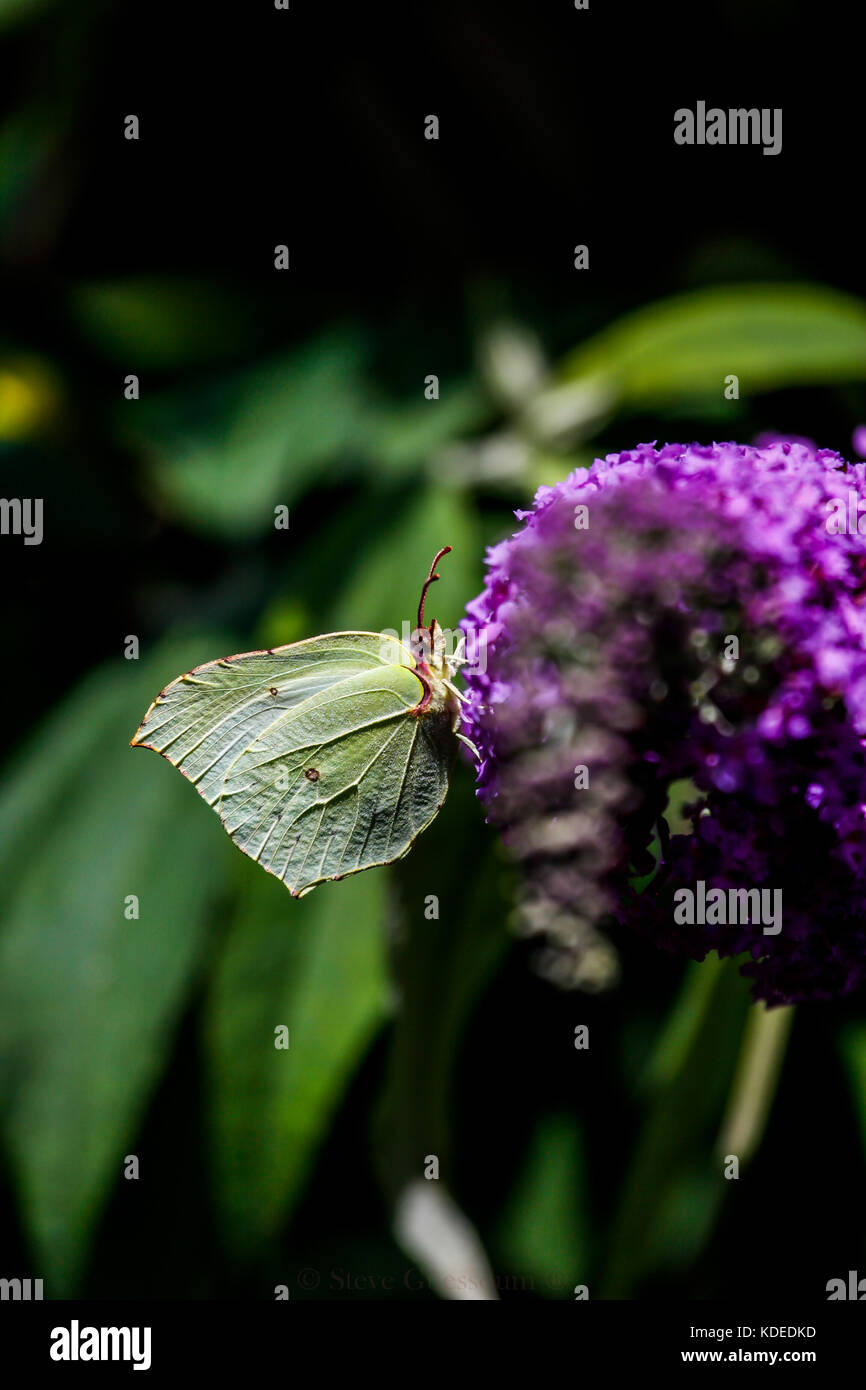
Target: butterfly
{"x": 324, "y": 757}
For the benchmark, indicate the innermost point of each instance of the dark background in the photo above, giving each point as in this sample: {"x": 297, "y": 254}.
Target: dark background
{"x": 262, "y": 125}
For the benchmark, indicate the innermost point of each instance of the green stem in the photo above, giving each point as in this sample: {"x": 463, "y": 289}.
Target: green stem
{"x": 755, "y": 1080}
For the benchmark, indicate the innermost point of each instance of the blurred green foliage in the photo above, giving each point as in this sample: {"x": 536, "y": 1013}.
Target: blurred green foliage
{"x": 609, "y": 1178}
{"x": 770, "y": 335}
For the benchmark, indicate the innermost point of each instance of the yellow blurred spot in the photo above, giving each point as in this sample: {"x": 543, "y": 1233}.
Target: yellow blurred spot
{"x": 29, "y": 395}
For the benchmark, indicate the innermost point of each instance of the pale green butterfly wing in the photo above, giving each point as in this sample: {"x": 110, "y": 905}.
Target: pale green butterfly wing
{"x": 204, "y": 719}
{"x": 314, "y": 754}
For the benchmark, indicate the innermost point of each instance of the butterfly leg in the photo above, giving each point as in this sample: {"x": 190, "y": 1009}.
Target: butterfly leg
{"x": 469, "y": 744}
{"x": 454, "y": 691}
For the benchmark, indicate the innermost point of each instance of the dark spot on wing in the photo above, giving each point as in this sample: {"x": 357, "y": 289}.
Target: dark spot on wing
{"x": 311, "y": 774}
{"x": 272, "y": 690}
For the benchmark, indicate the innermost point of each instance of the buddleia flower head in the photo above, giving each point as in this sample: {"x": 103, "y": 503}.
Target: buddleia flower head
{"x": 689, "y": 617}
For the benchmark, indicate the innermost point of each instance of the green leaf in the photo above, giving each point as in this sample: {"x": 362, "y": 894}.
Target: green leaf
{"x": 544, "y": 1235}
{"x": 322, "y": 758}
{"x": 397, "y": 435}
{"x": 455, "y": 897}
{"x": 44, "y": 773}
{"x": 151, "y": 323}
{"x": 675, "y": 1186}
{"x": 223, "y": 456}
{"x": 382, "y": 577}
{"x": 852, "y": 1043}
{"x": 769, "y": 336}
{"x": 317, "y": 968}
{"x": 91, "y": 998}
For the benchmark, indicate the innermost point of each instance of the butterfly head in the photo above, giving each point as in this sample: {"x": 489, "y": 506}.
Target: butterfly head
{"x": 428, "y": 644}
{"x": 435, "y": 666}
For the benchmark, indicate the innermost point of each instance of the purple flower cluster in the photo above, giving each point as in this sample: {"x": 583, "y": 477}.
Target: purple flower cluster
{"x": 684, "y": 617}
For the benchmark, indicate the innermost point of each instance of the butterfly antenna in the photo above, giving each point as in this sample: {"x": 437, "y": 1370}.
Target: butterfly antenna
{"x": 432, "y": 576}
